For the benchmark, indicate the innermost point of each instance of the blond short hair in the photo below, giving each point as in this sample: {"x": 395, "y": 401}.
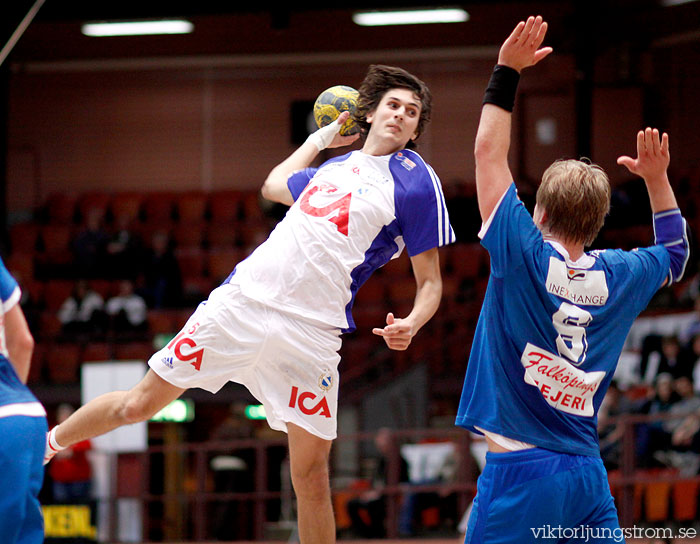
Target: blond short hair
{"x": 576, "y": 196}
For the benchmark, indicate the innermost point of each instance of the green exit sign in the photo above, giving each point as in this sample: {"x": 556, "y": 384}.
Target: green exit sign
{"x": 255, "y": 411}
{"x": 178, "y": 411}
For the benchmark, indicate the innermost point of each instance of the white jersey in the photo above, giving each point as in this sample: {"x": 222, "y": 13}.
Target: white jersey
{"x": 350, "y": 216}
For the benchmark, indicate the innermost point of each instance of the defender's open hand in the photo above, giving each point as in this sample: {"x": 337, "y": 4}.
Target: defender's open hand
{"x": 653, "y": 156}
{"x": 522, "y": 48}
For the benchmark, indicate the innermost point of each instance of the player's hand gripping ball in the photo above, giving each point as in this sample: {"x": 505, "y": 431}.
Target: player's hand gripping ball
{"x": 332, "y": 102}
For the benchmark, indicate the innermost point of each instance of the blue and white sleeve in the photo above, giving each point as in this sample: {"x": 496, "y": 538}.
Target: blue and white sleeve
{"x": 9, "y": 289}
{"x": 421, "y": 211}
{"x": 297, "y": 181}
{"x": 670, "y": 231}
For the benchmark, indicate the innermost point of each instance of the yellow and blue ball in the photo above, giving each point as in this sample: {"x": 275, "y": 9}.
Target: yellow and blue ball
{"x": 332, "y": 102}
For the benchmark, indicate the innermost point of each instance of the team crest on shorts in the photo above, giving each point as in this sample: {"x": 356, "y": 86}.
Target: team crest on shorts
{"x": 325, "y": 381}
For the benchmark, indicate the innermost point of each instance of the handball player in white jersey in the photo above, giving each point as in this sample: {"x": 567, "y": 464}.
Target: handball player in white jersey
{"x": 553, "y": 323}
{"x": 275, "y": 324}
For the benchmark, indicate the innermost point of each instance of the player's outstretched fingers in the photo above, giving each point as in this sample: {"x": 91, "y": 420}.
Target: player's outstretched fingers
{"x": 379, "y": 331}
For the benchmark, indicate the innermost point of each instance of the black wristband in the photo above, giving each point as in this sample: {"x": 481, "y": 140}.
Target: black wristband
{"x": 502, "y": 87}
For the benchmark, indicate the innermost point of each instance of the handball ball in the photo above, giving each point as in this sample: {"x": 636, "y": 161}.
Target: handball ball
{"x": 332, "y": 102}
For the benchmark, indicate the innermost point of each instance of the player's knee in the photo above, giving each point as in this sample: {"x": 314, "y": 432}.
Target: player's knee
{"x": 311, "y": 478}
{"x": 135, "y": 410}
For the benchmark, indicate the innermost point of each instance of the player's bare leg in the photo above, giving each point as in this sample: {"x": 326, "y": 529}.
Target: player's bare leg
{"x": 111, "y": 410}
{"x": 309, "y": 466}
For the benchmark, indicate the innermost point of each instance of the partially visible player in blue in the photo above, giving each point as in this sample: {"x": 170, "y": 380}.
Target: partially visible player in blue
{"x": 553, "y": 323}
{"x": 22, "y": 425}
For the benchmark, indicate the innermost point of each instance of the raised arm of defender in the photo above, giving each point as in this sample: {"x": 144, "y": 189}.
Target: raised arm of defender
{"x": 651, "y": 165}
{"x": 520, "y": 50}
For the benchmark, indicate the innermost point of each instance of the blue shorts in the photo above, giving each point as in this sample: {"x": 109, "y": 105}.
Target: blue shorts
{"x": 537, "y": 495}
{"x": 22, "y": 469}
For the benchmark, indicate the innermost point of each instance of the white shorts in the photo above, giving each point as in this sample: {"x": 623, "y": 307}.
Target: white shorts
{"x": 289, "y": 364}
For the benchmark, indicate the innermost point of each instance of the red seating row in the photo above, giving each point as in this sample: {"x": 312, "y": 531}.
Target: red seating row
{"x": 660, "y": 496}
{"x": 59, "y": 362}
{"x": 54, "y": 242}
{"x": 186, "y": 206}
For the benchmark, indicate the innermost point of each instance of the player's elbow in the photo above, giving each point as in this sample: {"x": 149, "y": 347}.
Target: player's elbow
{"x": 266, "y": 191}
{"x": 484, "y": 149}
{"x": 21, "y": 346}
{"x": 27, "y": 344}
{"x": 275, "y": 189}
{"x": 671, "y": 231}
{"x": 679, "y": 255}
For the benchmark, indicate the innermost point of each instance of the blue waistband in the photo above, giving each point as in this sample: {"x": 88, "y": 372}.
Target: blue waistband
{"x": 530, "y": 454}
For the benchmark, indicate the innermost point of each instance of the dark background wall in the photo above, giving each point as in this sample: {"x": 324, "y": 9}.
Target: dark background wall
{"x": 213, "y": 109}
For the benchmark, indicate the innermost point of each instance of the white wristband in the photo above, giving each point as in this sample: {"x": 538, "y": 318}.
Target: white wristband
{"x": 323, "y": 137}
{"x": 52, "y": 440}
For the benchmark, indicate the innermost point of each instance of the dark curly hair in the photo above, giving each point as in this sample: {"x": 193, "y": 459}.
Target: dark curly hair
{"x": 378, "y": 81}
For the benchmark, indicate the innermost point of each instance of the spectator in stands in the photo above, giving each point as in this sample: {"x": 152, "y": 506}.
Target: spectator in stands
{"x": 679, "y": 432}
{"x": 368, "y": 511}
{"x": 664, "y": 358}
{"x": 127, "y": 310}
{"x": 71, "y": 472}
{"x": 161, "y": 277}
{"x": 686, "y": 437}
{"x": 89, "y": 246}
{"x": 610, "y": 430}
{"x": 651, "y": 436}
{"x": 663, "y": 397}
{"x": 687, "y": 402}
{"x": 690, "y": 359}
{"x": 690, "y": 295}
{"x": 83, "y": 311}
{"x": 124, "y": 249}
{"x": 693, "y": 327}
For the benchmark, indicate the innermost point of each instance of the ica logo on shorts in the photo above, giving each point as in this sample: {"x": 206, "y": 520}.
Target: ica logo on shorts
{"x": 307, "y": 403}
{"x": 190, "y": 354}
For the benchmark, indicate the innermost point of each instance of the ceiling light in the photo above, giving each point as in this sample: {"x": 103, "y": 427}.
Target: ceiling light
{"x": 668, "y": 3}
{"x": 410, "y": 16}
{"x": 138, "y": 28}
